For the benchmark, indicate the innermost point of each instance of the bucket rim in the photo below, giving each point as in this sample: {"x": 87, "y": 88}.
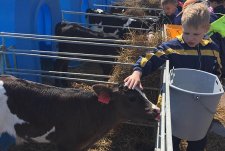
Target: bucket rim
{"x": 197, "y": 93}
{"x": 193, "y": 70}
{"x": 191, "y": 92}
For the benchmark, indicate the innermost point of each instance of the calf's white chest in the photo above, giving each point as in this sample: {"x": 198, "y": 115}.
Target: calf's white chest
{"x": 7, "y": 119}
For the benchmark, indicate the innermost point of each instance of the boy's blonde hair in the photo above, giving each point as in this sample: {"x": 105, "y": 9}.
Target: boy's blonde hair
{"x": 196, "y": 15}
{"x": 165, "y": 2}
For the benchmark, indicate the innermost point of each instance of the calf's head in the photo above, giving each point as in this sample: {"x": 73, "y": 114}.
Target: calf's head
{"x": 91, "y": 18}
{"x": 130, "y": 104}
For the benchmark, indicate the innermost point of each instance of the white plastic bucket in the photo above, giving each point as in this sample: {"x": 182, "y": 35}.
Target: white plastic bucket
{"x": 194, "y": 98}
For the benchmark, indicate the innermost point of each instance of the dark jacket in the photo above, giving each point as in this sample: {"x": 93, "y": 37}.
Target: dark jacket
{"x": 217, "y": 38}
{"x": 219, "y": 11}
{"x": 204, "y": 57}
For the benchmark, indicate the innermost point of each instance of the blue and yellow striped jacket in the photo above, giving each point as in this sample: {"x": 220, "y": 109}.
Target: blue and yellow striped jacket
{"x": 204, "y": 57}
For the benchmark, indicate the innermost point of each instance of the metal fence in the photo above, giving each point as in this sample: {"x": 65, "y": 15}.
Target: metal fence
{"x": 164, "y": 134}
{"x": 164, "y": 131}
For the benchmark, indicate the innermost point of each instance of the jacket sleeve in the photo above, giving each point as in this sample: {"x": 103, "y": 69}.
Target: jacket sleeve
{"x": 222, "y": 56}
{"x": 220, "y": 42}
{"x": 151, "y": 61}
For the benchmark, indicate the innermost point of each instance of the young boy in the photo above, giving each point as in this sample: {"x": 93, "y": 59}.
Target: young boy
{"x": 171, "y": 9}
{"x": 189, "y": 50}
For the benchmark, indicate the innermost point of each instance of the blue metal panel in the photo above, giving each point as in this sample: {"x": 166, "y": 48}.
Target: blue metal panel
{"x": 7, "y": 21}
{"x": 39, "y": 17}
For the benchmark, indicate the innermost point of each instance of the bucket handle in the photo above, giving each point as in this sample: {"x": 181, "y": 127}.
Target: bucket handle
{"x": 197, "y": 99}
{"x": 172, "y": 75}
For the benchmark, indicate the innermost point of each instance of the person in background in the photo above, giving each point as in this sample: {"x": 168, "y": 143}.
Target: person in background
{"x": 171, "y": 10}
{"x": 218, "y": 7}
{"x": 189, "y": 50}
{"x": 219, "y": 11}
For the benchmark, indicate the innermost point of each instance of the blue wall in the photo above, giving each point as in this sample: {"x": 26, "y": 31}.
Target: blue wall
{"x": 31, "y": 17}
{"x": 37, "y": 17}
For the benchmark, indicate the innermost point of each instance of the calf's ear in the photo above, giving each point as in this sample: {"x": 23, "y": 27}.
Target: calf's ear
{"x": 103, "y": 93}
{"x": 101, "y": 88}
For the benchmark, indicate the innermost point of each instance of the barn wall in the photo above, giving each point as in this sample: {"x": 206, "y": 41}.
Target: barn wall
{"x": 37, "y": 17}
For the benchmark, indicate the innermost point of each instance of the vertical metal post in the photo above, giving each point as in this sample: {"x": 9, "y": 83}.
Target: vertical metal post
{"x": 169, "y": 142}
{"x": 2, "y": 56}
{"x": 62, "y": 16}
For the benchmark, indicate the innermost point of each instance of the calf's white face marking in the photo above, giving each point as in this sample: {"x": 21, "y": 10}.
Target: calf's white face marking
{"x": 7, "y": 119}
{"x": 99, "y": 11}
{"x": 143, "y": 95}
{"x": 128, "y": 22}
{"x": 42, "y": 139}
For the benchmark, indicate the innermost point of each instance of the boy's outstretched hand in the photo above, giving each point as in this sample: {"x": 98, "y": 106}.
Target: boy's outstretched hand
{"x": 134, "y": 80}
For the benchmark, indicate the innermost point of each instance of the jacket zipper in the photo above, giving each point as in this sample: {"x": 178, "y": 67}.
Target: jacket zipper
{"x": 199, "y": 57}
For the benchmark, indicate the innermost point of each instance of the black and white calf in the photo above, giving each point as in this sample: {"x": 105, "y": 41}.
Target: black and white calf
{"x": 96, "y": 23}
{"x": 73, "y": 119}
{"x": 75, "y": 30}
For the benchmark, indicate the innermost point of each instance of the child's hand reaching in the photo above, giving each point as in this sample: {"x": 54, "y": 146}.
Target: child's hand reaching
{"x": 133, "y": 80}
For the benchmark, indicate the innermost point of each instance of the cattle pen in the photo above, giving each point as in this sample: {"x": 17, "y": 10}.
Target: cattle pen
{"x": 77, "y": 44}
{"x": 9, "y": 58}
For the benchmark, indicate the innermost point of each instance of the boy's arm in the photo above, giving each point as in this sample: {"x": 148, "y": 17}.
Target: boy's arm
{"x": 151, "y": 61}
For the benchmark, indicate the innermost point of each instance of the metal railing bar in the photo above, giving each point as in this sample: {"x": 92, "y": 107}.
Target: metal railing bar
{"x": 163, "y": 126}
{"x": 80, "y": 42}
{"x": 65, "y": 78}
{"x": 62, "y": 53}
{"x": 68, "y": 38}
{"x": 119, "y": 14}
{"x": 58, "y": 72}
{"x": 68, "y": 58}
{"x": 107, "y": 15}
{"x": 169, "y": 143}
{"x": 68, "y": 73}
{"x": 110, "y": 26}
{"x": 57, "y": 77}
{"x": 157, "y": 143}
{"x": 145, "y": 8}
{"x": 152, "y": 124}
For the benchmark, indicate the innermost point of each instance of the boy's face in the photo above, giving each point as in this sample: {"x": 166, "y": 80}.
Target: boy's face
{"x": 191, "y": 36}
{"x": 169, "y": 9}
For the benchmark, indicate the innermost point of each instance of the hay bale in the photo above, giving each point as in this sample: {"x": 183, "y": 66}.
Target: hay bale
{"x": 127, "y": 137}
{"x": 140, "y": 3}
{"x": 215, "y": 142}
{"x": 220, "y": 113}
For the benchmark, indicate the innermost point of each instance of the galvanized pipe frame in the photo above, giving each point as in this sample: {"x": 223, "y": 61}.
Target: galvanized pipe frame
{"x": 58, "y": 72}
{"x": 61, "y": 53}
{"x": 108, "y": 15}
{"x": 74, "y": 42}
{"x": 164, "y": 134}
{"x": 35, "y": 72}
{"x": 110, "y": 26}
{"x": 68, "y": 58}
{"x": 112, "y": 6}
{"x": 59, "y": 77}
{"x": 67, "y": 38}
